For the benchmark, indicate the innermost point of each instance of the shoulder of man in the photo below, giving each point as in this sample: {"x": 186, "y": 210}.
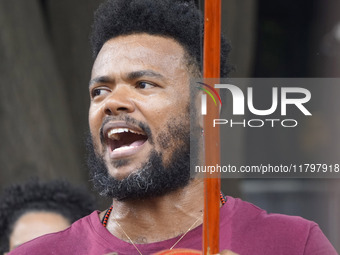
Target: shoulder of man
{"x": 256, "y": 228}
{"x": 249, "y": 215}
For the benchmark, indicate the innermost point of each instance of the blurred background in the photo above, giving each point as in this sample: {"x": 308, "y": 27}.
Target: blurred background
{"x": 45, "y": 65}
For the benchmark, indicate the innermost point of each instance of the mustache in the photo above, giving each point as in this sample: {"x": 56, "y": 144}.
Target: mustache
{"x": 130, "y": 121}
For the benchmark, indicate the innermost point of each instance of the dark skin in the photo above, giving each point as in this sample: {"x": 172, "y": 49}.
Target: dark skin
{"x": 146, "y": 77}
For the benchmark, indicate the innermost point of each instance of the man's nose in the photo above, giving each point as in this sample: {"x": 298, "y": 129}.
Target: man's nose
{"x": 119, "y": 101}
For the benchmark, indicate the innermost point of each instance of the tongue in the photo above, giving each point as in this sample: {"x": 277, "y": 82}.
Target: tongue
{"x": 137, "y": 143}
{"x": 133, "y": 144}
{"x": 128, "y": 140}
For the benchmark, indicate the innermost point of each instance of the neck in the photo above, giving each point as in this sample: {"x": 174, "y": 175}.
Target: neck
{"x": 160, "y": 218}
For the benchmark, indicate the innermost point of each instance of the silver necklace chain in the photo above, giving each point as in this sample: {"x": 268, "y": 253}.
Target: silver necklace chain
{"x": 108, "y": 214}
{"x": 182, "y": 236}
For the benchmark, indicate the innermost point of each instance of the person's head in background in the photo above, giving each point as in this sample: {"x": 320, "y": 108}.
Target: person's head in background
{"x": 36, "y": 208}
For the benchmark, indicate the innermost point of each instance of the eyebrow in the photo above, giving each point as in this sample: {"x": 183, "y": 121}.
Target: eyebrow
{"x": 143, "y": 73}
{"x": 101, "y": 79}
{"x": 130, "y": 76}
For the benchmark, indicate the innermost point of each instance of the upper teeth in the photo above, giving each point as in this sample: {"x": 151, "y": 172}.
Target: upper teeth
{"x": 114, "y": 133}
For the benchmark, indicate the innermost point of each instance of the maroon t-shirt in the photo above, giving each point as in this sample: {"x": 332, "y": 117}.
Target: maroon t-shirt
{"x": 244, "y": 229}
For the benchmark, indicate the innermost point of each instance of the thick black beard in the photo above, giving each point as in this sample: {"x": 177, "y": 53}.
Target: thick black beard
{"x": 153, "y": 179}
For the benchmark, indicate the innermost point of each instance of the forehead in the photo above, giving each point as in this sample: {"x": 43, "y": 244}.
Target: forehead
{"x": 137, "y": 51}
{"x": 35, "y": 224}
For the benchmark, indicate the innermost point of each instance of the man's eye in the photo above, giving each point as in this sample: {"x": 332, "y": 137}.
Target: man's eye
{"x": 145, "y": 85}
{"x": 98, "y": 92}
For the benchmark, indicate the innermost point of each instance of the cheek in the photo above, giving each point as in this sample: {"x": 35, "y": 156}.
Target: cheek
{"x": 166, "y": 118}
{"x": 158, "y": 112}
{"x": 95, "y": 122}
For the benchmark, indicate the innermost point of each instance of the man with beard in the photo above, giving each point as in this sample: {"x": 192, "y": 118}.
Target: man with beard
{"x": 146, "y": 52}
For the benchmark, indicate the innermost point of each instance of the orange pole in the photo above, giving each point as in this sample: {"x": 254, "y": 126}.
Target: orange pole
{"x": 211, "y": 69}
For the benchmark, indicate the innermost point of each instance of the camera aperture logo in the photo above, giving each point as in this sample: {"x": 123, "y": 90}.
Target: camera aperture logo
{"x": 204, "y": 97}
{"x": 302, "y": 96}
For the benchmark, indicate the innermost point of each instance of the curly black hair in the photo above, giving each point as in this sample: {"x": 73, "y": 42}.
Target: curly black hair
{"x": 52, "y": 196}
{"x": 177, "y": 19}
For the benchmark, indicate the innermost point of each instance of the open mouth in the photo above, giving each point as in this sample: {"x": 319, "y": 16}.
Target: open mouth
{"x": 125, "y": 139}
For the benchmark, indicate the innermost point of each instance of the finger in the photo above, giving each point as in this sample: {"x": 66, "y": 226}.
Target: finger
{"x": 226, "y": 252}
